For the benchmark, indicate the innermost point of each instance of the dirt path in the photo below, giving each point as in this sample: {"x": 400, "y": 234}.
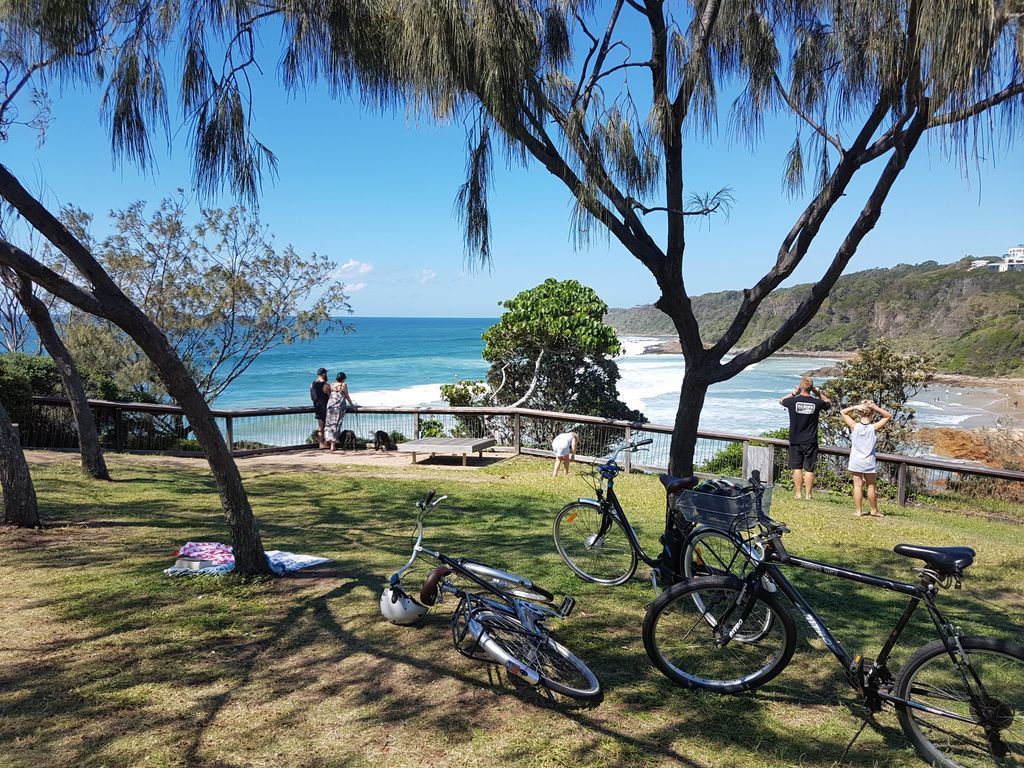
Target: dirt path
{"x": 312, "y": 460}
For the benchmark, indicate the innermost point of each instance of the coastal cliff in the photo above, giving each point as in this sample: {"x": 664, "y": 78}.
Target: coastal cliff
{"x": 970, "y": 321}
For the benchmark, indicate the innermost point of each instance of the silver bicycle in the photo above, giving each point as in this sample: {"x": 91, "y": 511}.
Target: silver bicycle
{"x": 499, "y": 617}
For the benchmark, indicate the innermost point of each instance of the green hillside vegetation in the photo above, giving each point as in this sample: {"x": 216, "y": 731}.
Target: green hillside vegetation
{"x": 971, "y": 322}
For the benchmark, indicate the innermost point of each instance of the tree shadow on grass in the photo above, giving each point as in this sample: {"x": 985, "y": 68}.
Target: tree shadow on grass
{"x": 214, "y": 672}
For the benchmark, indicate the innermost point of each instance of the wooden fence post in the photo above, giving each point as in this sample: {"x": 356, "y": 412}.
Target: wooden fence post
{"x": 229, "y": 429}
{"x": 517, "y": 434}
{"x": 629, "y": 454}
{"x": 902, "y": 485}
{"x": 118, "y": 430}
{"x": 761, "y": 458}
{"x": 416, "y": 426}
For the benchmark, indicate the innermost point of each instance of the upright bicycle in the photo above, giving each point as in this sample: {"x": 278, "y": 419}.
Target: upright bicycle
{"x": 499, "y": 617}
{"x": 959, "y": 699}
{"x": 596, "y": 540}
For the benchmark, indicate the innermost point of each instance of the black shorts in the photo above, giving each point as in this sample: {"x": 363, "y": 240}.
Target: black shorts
{"x": 803, "y": 456}
{"x": 320, "y": 411}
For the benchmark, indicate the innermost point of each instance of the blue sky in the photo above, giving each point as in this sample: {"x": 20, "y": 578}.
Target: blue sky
{"x": 375, "y": 192}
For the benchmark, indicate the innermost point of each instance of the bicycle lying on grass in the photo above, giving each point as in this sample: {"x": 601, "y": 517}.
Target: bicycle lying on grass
{"x": 500, "y": 619}
{"x": 959, "y": 699}
{"x": 596, "y": 540}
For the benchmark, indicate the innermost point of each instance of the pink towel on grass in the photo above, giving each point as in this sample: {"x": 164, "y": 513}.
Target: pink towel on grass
{"x": 219, "y": 554}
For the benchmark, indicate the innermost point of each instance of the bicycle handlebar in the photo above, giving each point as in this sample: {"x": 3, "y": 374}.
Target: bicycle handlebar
{"x": 424, "y": 506}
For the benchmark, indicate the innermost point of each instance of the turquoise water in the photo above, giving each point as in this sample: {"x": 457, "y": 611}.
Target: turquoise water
{"x": 404, "y": 361}
{"x": 388, "y": 360}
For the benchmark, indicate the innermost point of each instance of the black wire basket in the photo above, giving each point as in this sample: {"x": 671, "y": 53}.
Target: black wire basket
{"x": 732, "y": 513}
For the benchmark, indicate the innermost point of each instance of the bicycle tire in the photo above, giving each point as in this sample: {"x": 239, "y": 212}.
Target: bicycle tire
{"x": 561, "y": 671}
{"x": 609, "y": 560}
{"x": 699, "y": 606}
{"x": 930, "y": 678}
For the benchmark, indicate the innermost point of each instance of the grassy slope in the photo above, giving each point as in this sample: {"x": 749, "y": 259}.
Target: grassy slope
{"x": 103, "y": 661}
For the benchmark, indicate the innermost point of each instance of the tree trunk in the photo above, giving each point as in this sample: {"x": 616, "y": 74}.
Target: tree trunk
{"x": 684, "y": 434}
{"x": 250, "y": 558}
{"x": 108, "y": 301}
{"x": 88, "y": 439}
{"x": 20, "y": 506}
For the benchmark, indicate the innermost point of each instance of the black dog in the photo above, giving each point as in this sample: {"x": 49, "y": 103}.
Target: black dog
{"x": 347, "y": 440}
{"x": 382, "y": 441}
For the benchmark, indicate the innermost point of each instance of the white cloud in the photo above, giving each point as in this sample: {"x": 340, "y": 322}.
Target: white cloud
{"x": 426, "y": 275}
{"x": 352, "y": 268}
{"x": 355, "y": 287}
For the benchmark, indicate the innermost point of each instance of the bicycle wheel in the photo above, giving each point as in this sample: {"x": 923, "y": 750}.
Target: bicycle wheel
{"x": 996, "y": 707}
{"x": 602, "y": 559}
{"x": 560, "y": 670}
{"x": 711, "y": 552}
{"x": 685, "y": 626}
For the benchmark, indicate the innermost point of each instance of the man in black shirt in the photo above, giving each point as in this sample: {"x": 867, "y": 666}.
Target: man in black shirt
{"x": 804, "y": 406}
{"x": 319, "y": 393}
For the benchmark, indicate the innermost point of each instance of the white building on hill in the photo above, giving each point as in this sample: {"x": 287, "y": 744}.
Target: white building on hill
{"x": 1013, "y": 261}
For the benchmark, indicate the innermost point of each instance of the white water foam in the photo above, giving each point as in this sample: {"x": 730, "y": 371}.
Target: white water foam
{"x": 635, "y": 345}
{"x": 417, "y": 394}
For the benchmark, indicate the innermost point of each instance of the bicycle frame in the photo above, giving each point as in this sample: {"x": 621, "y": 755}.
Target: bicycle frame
{"x": 867, "y": 685}
{"x": 611, "y": 507}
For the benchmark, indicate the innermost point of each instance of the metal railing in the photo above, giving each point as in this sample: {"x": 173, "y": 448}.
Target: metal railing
{"x": 148, "y": 427}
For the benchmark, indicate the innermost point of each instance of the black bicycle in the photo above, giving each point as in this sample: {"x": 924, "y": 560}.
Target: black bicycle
{"x": 500, "y": 617}
{"x": 595, "y": 539}
{"x": 959, "y": 699}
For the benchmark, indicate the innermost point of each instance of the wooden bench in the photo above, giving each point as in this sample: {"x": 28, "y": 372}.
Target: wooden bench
{"x": 448, "y": 445}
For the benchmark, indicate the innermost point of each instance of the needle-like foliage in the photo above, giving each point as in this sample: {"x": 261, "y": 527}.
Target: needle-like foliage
{"x": 602, "y": 95}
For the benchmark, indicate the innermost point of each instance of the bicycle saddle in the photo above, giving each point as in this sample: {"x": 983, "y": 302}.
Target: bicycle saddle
{"x": 675, "y": 484}
{"x": 944, "y": 560}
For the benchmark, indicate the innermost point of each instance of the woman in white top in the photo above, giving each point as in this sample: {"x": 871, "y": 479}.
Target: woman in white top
{"x": 564, "y": 446}
{"x": 863, "y": 438}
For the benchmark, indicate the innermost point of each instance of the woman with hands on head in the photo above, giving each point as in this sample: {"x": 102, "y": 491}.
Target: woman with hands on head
{"x": 863, "y": 441}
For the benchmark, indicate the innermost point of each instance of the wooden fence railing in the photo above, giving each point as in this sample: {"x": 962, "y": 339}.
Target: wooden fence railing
{"x": 149, "y": 427}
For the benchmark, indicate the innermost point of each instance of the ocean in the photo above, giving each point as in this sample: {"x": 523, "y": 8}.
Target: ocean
{"x": 396, "y": 361}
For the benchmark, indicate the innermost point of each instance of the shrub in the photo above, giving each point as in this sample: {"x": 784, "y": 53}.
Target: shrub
{"x": 22, "y": 376}
{"x": 432, "y": 428}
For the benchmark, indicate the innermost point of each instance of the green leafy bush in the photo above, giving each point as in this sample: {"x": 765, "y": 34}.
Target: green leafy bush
{"x": 22, "y": 376}
{"x": 431, "y": 428}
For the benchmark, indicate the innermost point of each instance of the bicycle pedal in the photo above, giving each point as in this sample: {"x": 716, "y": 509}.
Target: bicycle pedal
{"x": 566, "y": 607}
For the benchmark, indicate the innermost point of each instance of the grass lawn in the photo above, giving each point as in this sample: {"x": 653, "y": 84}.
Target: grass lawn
{"x": 106, "y": 662}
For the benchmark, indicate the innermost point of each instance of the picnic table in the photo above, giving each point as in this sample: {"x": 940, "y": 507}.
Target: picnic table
{"x": 448, "y": 445}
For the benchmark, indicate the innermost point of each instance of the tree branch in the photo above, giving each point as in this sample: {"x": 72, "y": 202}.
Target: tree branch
{"x": 602, "y": 52}
{"x": 833, "y": 140}
{"x": 53, "y": 230}
{"x": 699, "y": 42}
{"x": 864, "y": 223}
{"x": 995, "y": 99}
{"x": 533, "y": 384}
{"x": 23, "y": 264}
{"x": 796, "y": 243}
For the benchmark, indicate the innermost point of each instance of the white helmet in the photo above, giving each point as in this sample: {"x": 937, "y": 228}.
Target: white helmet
{"x": 398, "y": 608}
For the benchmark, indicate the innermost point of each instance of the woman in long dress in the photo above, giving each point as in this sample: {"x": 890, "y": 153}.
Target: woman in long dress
{"x": 336, "y": 410}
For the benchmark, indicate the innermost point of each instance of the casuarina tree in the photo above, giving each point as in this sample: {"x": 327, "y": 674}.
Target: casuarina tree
{"x": 614, "y": 99}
